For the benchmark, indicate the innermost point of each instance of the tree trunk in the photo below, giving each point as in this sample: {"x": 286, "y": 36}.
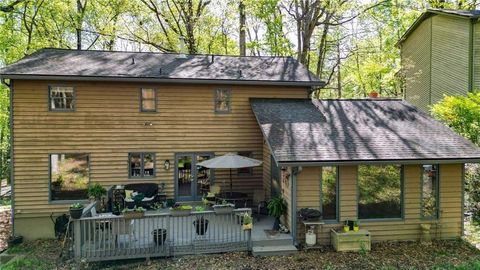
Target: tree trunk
{"x": 242, "y": 36}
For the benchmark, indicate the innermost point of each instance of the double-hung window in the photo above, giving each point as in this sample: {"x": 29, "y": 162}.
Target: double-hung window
{"x": 61, "y": 98}
{"x": 430, "y": 192}
{"x": 141, "y": 165}
{"x": 223, "y": 101}
{"x": 148, "y": 99}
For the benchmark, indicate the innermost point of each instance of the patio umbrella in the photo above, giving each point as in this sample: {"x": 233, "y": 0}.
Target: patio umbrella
{"x": 230, "y": 161}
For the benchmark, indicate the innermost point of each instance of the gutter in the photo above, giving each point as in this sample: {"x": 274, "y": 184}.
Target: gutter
{"x": 161, "y": 80}
{"x": 374, "y": 162}
{"x": 12, "y": 182}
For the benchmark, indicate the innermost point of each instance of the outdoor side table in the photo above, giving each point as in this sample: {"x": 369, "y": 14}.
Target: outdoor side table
{"x": 313, "y": 226}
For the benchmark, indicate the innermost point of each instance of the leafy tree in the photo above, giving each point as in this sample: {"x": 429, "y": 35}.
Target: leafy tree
{"x": 462, "y": 114}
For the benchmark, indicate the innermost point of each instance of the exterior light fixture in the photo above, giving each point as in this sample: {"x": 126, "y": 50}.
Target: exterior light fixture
{"x": 166, "y": 165}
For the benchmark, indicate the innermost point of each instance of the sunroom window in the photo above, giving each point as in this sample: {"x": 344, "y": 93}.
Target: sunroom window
{"x": 329, "y": 195}
{"x": 430, "y": 191}
{"x": 61, "y": 98}
{"x": 69, "y": 177}
{"x": 380, "y": 191}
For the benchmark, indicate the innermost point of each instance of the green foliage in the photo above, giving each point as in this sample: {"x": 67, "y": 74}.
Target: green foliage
{"x": 472, "y": 190}
{"x": 76, "y": 206}
{"x": 462, "y": 114}
{"x": 277, "y": 207}
{"x": 247, "y": 219}
{"x": 96, "y": 190}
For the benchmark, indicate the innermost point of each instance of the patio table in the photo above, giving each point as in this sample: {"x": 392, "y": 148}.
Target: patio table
{"x": 239, "y": 199}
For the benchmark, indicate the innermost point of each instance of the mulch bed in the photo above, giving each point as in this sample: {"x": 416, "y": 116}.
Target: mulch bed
{"x": 397, "y": 255}
{"x": 5, "y": 227}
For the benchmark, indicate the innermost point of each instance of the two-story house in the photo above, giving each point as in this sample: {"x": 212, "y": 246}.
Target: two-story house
{"x": 125, "y": 117}
{"x": 440, "y": 55}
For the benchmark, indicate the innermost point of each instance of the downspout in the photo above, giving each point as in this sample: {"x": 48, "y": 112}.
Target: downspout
{"x": 12, "y": 182}
{"x": 293, "y": 217}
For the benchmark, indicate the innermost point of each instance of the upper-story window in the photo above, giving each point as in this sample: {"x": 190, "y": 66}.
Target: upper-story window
{"x": 62, "y": 98}
{"x": 222, "y": 101}
{"x": 148, "y": 99}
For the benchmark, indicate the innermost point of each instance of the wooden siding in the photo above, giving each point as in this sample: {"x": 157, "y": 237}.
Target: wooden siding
{"x": 476, "y": 57}
{"x": 450, "y": 56}
{"x": 415, "y": 57}
{"x": 107, "y": 124}
{"x": 449, "y": 224}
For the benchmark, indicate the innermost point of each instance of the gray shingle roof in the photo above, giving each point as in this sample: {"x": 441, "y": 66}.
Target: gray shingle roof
{"x": 106, "y": 65}
{"x": 356, "y": 131}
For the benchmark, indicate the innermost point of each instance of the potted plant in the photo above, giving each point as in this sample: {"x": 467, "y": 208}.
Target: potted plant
{"x": 223, "y": 208}
{"x": 201, "y": 225}
{"x": 276, "y": 208}
{"x": 247, "y": 222}
{"x": 76, "y": 210}
{"x": 159, "y": 236}
{"x": 136, "y": 212}
{"x": 178, "y": 210}
{"x": 356, "y": 226}
{"x": 95, "y": 192}
{"x": 346, "y": 227}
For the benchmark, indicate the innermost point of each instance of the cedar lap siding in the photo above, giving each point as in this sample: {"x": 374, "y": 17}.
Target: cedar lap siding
{"x": 107, "y": 124}
{"x": 440, "y": 55}
{"x": 350, "y": 133}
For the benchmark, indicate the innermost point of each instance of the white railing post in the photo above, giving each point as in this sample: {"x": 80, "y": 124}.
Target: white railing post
{"x": 77, "y": 240}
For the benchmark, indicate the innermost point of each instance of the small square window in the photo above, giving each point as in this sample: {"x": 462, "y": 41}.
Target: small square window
{"x": 222, "y": 101}
{"x": 148, "y": 97}
{"x": 141, "y": 165}
{"x": 245, "y": 171}
{"x": 62, "y": 98}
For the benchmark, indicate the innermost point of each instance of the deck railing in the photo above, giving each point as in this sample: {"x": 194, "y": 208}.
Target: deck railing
{"x": 159, "y": 235}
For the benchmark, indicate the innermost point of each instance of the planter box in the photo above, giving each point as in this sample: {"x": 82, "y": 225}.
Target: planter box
{"x": 247, "y": 227}
{"x": 223, "y": 210}
{"x": 351, "y": 241}
{"x": 133, "y": 215}
{"x": 180, "y": 213}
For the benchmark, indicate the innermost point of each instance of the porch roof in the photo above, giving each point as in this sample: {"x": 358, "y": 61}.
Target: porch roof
{"x": 357, "y": 131}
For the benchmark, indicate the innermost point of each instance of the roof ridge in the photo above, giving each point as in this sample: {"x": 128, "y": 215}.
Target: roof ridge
{"x": 169, "y": 53}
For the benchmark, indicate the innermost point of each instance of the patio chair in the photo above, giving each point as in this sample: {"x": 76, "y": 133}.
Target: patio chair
{"x": 259, "y": 202}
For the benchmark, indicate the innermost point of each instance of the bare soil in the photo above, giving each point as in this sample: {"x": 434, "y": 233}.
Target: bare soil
{"x": 397, "y": 255}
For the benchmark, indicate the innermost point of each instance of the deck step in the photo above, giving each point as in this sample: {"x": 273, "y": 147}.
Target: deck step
{"x": 279, "y": 250}
{"x": 272, "y": 242}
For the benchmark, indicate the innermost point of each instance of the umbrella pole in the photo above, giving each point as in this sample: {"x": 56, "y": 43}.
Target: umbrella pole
{"x": 231, "y": 184}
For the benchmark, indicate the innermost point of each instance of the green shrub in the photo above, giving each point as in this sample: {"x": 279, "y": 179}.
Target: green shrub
{"x": 462, "y": 114}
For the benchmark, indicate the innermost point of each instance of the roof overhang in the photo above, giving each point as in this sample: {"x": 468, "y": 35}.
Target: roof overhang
{"x": 376, "y": 162}
{"x": 428, "y": 13}
{"x": 161, "y": 80}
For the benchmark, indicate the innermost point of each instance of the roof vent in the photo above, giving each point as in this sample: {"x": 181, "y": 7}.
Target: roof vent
{"x": 160, "y": 71}
{"x": 213, "y": 59}
{"x": 133, "y": 61}
{"x": 239, "y": 72}
{"x": 182, "y": 48}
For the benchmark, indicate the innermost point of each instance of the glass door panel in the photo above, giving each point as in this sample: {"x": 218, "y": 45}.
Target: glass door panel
{"x": 203, "y": 176}
{"x": 184, "y": 176}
